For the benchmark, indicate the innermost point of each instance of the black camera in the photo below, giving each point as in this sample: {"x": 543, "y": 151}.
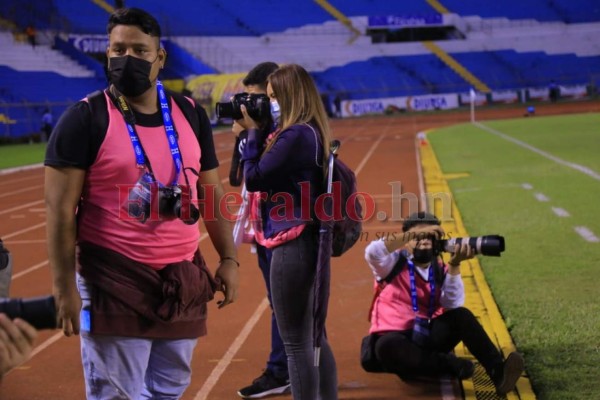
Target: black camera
{"x": 257, "y": 105}
{"x": 173, "y": 201}
{"x": 40, "y": 312}
{"x": 489, "y": 245}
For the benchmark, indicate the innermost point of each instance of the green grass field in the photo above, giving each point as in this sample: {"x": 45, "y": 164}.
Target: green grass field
{"x": 15, "y": 155}
{"x": 546, "y": 282}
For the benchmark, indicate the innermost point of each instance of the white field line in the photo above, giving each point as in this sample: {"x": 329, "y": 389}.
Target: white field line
{"x": 26, "y": 189}
{"x": 541, "y": 197}
{"x": 47, "y": 343}
{"x": 587, "y": 234}
{"x": 224, "y": 362}
{"x": 30, "y": 269}
{"x": 22, "y": 206}
{"x": 16, "y": 233}
{"x": 582, "y": 231}
{"x": 368, "y": 155}
{"x": 580, "y": 168}
{"x": 25, "y": 242}
{"x": 560, "y": 212}
{"x": 7, "y": 171}
{"x": 19, "y": 181}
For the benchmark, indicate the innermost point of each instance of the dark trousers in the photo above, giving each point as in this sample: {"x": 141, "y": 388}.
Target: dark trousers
{"x": 398, "y": 354}
{"x": 277, "y": 362}
{"x": 293, "y": 268}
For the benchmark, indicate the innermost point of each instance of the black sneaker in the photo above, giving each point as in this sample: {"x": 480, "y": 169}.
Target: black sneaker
{"x": 508, "y": 374}
{"x": 265, "y": 385}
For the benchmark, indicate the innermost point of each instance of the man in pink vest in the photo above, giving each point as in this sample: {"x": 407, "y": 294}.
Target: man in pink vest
{"x": 128, "y": 173}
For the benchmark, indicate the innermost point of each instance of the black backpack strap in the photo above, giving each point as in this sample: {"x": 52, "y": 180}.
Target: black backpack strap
{"x": 189, "y": 111}
{"x": 99, "y": 122}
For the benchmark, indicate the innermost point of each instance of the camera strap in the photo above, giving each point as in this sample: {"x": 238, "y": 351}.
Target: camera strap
{"x": 413, "y": 288}
{"x": 141, "y": 158}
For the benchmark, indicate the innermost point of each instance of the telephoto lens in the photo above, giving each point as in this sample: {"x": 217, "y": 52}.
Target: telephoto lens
{"x": 40, "y": 312}
{"x": 489, "y": 245}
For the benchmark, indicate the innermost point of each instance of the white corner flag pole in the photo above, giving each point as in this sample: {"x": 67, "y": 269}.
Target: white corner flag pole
{"x": 473, "y": 96}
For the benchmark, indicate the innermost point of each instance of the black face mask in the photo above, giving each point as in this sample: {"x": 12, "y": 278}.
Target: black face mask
{"x": 422, "y": 256}
{"x": 130, "y": 75}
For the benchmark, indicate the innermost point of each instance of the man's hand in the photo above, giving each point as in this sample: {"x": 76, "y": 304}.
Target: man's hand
{"x": 16, "y": 342}
{"x": 228, "y": 276}
{"x": 68, "y": 306}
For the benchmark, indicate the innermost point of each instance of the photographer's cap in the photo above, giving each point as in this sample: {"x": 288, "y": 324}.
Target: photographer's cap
{"x": 419, "y": 218}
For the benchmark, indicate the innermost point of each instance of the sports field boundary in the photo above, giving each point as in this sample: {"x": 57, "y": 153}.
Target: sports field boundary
{"x": 479, "y": 298}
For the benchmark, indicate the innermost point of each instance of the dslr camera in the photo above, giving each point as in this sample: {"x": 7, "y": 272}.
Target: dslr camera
{"x": 173, "y": 201}
{"x": 488, "y": 245}
{"x": 40, "y": 312}
{"x": 257, "y": 105}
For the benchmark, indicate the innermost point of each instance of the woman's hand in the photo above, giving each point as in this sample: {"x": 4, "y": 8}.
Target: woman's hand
{"x": 247, "y": 122}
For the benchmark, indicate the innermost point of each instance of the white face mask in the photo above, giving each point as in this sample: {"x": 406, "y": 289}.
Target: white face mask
{"x": 275, "y": 112}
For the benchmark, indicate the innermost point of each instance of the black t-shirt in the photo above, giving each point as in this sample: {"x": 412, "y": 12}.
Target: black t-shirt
{"x": 74, "y": 142}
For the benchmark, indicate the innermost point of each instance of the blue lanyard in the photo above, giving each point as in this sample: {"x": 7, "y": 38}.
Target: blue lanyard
{"x": 140, "y": 155}
{"x": 413, "y": 289}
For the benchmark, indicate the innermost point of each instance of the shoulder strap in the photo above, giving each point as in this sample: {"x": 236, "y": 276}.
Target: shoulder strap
{"x": 99, "y": 120}
{"x": 97, "y": 103}
{"x": 99, "y": 112}
{"x": 189, "y": 111}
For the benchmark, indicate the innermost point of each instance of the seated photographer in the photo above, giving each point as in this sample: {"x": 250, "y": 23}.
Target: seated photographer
{"x": 417, "y": 316}
{"x": 16, "y": 343}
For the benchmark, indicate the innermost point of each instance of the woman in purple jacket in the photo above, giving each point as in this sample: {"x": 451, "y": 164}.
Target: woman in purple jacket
{"x": 290, "y": 176}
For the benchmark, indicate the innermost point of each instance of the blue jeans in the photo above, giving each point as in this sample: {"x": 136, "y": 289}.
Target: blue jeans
{"x": 277, "y": 363}
{"x": 293, "y": 267}
{"x": 117, "y": 367}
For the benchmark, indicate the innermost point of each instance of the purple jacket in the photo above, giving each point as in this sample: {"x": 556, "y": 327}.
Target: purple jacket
{"x": 290, "y": 175}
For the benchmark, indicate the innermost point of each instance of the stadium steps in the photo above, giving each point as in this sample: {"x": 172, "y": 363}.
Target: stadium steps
{"x": 23, "y": 57}
{"x": 457, "y": 67}
{"x": 343, "y": 19}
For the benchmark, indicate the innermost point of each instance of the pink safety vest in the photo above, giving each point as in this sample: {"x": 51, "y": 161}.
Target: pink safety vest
{"x": 392, "y": 310}
{"x": 102, "y": 217}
